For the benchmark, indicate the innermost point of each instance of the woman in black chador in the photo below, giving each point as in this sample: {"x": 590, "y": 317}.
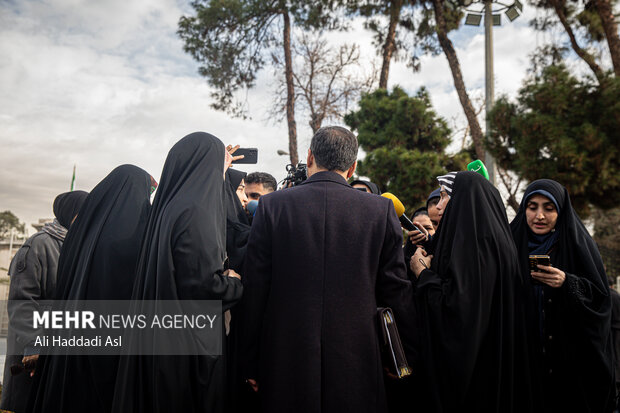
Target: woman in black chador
{"x": 570, "y": 302}
{"x": 473, "y": 355}
{"x": 237, "y": 223}
{"x": 182, "y": 258}
{"x": 97, "y": 262}
{"x": 239, "y": 395}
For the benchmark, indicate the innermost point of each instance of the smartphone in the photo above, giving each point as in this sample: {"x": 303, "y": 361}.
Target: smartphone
{"x": 539, "y": 260}
{"x": 250, "y": 155}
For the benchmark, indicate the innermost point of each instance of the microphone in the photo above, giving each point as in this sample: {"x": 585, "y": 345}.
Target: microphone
{"x": 400, "y": 211}
{"x": 478, "y": 166}
{"x": 252, "y": 206}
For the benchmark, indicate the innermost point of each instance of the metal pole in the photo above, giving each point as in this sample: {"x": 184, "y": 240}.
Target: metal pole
{"x": 10, "y": 247}
{"x": 488, "y": 58}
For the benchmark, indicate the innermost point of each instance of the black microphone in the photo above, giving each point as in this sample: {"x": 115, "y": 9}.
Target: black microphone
{"x": 407, "y": 224}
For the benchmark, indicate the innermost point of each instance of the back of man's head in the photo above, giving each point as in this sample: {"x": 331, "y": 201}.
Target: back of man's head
{"x": 334, "y": 148}
{"x": 268, "y": 181}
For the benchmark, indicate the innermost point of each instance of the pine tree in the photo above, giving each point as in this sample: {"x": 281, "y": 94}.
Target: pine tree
{"x": 405, "y": 142}
{"x": 232, "y": 38}
{"x": 565, "y": 129}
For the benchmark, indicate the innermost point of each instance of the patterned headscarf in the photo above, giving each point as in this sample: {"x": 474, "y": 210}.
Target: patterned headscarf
{"x": 447, "y": 181}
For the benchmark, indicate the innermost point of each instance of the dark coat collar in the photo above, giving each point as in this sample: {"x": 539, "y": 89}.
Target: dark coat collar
{"x": 327, "y": 176}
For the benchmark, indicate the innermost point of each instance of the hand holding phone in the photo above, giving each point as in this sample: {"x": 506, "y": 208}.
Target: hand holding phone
{"x": 418, "y": 234}
{"x": 246, "y": 156}
{"x": 543, "y": 272}
{"x": 536, "y": 260}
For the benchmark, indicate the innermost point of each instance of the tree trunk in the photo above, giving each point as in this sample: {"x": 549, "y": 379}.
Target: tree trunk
{"x": 459, "y": 84}
{"x": 607, "y": 237}
{"x": 558, "y": 5}
{"x": 390, "y": 42}
{"x": 316, "y": 121}
{"x": 605, "y": 12}
{"x": 290, "y": 90}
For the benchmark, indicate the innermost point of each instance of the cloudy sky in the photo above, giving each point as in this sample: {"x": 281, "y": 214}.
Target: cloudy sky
{"x": 102, "y": 83}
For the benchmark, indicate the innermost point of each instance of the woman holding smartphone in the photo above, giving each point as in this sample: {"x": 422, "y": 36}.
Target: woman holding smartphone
{"x": 182, "y": 260}
{"x": 568, "y": 301}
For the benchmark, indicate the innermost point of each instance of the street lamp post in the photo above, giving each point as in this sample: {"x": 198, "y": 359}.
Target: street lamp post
{"x": 491, "y": 18}
{"x": 488, "y": 66}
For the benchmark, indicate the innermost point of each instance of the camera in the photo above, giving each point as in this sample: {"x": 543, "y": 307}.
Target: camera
{"x": 295, "y": 175}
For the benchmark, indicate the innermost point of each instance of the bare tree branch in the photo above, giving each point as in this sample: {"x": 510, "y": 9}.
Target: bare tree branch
{"x": 326, "y": 79}
{"x": 559, "y": 6}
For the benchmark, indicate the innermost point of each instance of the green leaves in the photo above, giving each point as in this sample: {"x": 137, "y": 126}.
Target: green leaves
{"x": 395, "y": 119}
{"x": 564, "y": 129}
{"x": 405, "y": 141}
{"x": 8, "y": 221}
{"x": 227, "y": 37}
{"x": 232, "y": 40}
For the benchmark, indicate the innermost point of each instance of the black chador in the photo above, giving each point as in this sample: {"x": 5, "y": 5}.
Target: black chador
{"x": 182, "y": 258}
{"x": 473, "y": 342}
{"x": 237, "y": 223}
{"x": 570, "y": 324}
{"x": 97, "y": 262}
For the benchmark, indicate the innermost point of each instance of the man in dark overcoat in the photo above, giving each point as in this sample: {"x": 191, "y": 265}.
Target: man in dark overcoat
{"x": 321, "y": 258}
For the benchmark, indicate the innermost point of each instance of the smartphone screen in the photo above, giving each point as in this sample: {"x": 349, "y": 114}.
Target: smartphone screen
{"x": 539, "y": 260}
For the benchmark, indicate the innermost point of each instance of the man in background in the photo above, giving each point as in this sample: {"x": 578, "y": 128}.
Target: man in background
{"x": 258, "y": 184}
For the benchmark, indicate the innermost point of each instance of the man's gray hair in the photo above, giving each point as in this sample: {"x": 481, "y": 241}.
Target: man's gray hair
{"x": 334, "y": 148}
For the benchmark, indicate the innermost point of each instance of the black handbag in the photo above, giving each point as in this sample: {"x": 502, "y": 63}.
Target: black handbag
{"x": 392, "y": 352}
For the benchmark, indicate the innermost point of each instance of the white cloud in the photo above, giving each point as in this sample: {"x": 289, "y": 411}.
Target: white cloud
{"x": 99, "y": 84}
{"x": 102, "y": 83}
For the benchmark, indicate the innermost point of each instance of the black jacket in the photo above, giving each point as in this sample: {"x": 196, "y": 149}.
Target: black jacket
{"x": 33, "y": 273}
{"x": 321, "y": 257}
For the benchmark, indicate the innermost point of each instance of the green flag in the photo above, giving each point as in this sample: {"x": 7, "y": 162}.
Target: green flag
{"x": 73, "y": 179}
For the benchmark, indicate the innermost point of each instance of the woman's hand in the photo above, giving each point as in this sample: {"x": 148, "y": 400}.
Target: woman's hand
{"x": 231, "y": 273}
{"x": 553, "y": 277}
{"x": 416, "y": 237}
{"x": 253, "y": 384}
{"x": 30, "y": 361}
{"x": 229, "y": 155}
{"x": 420, "y": 261}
